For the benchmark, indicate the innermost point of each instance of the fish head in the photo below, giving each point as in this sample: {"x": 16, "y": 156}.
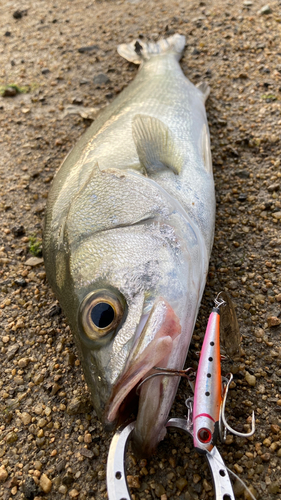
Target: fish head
{"x": 131, "y": 292}
{"x": 127, "y": 315}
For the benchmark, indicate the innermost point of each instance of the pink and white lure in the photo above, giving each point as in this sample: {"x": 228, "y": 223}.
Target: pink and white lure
{"x": 208, "y": 387}
{"x": 208, "y": 415}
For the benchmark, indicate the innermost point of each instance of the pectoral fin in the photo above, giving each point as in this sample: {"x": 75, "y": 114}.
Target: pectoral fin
{"x": 155, "y": 145}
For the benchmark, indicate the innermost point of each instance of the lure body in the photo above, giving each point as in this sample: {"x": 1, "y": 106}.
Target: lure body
{"x": 208, "y": 388}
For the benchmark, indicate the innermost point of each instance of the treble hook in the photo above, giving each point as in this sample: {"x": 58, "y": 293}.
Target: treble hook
{"x": 223, "y": 418}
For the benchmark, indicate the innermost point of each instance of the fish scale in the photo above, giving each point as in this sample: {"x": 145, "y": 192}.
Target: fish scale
{"x": 129, "y": 226}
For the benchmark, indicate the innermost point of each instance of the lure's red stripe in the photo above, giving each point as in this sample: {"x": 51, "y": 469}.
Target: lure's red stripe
{"x": 204, "y": 415}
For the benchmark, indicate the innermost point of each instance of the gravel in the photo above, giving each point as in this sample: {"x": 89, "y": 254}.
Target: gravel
{"x": 51, "y": 444}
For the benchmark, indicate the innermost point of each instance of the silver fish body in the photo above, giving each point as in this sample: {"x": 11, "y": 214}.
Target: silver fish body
{"x": 128, "y": 234}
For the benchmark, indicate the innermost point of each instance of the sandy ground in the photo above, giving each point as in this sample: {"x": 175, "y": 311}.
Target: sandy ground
{"x": 52, "y": 445}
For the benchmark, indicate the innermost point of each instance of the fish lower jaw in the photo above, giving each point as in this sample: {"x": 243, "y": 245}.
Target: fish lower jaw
{"x": 145, "y": 356}
{"x": 142, "y": 445}
{"x": 130, "y": 386}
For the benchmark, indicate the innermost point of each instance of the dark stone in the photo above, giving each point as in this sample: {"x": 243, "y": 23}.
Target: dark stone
{"x": 68, "y": 479}
{"x": 238, "y": 489}
{"x": 61, "y": 465}
{"x": 101, "y": 79}
{"x": 45, "y": 71}
{"x": 11, "y": 352}
{"x": 268, "y": 205}
{"x": 78, "y": 405}
{"x": 221, "y": 122}
{"x": 195, "y": 52}
{"x": 18, "y": 14}
{"x": 90, "y": 48}
{"x": 30, "y": 489}
{"x": 78, "y": 101}
{"x": 41, "y": 441}
{"x": 233, "y": 152}
{"x": 86, "y": 453}
{"x": 19, "y": 251}
{"x": 243, "y": 174}
{"x": 70, "y": 359}
{"x": 10, "y": 92}
{"x": 84, "y": 81}
{"x": 197, "y": 488}
{"x": 20, "y": 282}
{"x": 8, "y": 33}
{"x": 274, "y": 487}
{"x": 159, "y": 490}
{"x": 18, "y": 231}
{"x": 54, "y": 310}
{"x": 242, "y": 197}
{"x": 109, "y": 95}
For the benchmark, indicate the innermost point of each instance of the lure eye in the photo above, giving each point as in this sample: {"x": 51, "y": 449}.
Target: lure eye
{"x": 204, "y": 435}
{"x": 101, "y": 313}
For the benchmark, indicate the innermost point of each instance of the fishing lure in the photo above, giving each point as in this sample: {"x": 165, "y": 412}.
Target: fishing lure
{"x": 207, "y": 415}
{"x": 205, "y": 422}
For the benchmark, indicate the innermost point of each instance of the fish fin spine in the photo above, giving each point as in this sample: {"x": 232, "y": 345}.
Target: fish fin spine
{"x": 139, "y": 51}
{"x": 205, "y": 88}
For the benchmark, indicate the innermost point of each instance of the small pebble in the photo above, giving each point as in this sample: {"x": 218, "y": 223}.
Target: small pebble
{"x": 87, "y": 438}
{"x": 273, "y": 321}
{"x": 23, "y": 362}
{"x": 73, "y": 493}
{"x": 133, "y": 482}
{"x": 274, "y": 487}
{"x": 181, "y": 483}
{"x": 250, "y": 379}
{"x": 26, "y": 418}
{"x": 45, "y": 483}
{"x": 101, "y": 79}
{"x": 207, "y": 486}
{"x": 248, "y": 495}
{"x": 63, "y": 489}
{"x": 34, "y": 261}
{"x": 11, "y": 437}
{"x": 265, "y": 10}
{"x": 196, "y": 478}
{"x": 276, "y": 215}
{"x": 3, "y": 474}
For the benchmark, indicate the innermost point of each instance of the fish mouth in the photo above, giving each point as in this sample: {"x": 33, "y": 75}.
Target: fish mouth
{"x": 159, "y": 333}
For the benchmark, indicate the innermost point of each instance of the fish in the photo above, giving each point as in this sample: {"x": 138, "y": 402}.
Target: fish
{"x": 129, "y": 229}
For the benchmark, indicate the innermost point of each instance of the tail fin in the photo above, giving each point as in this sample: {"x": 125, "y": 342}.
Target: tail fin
{"x": 138, "y": 51}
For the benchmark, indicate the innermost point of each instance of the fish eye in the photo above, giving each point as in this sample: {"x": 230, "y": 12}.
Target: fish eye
{"x": 101, "y": 313}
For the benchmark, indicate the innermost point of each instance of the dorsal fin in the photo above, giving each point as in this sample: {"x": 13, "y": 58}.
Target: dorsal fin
{"x": 155, "y": 145}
